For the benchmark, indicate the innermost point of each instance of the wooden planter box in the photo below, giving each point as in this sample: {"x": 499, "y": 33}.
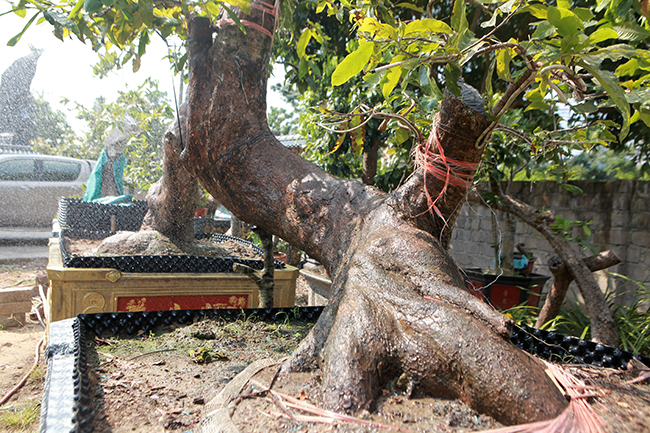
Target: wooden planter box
{"x": 506, "y": 291}
{"x": 75, "y": 291}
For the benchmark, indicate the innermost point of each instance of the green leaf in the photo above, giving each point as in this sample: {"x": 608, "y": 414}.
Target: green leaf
{"x": 503, "y": 64}
{"x": 244, "y": 5}
{"x": 424, "y": 76}
{"x": 233, "y": 16}
{"x": 493, "y": 20}
{"x": 390, "y": 81}
{"x": 458, "y": 18}
{"x": 572, "y": 189}
{"x": 602, "y": 34}
{"x": 373, "y": 78}
{"x": 566, "y": 22}
{"x": 534, "y": 95}
{"x": 612, "y": 89}
{"x": 401, "y": 135}
{"x": 410, "y": 6}
{"x": 506, "y": 8}
{"x": 321, "y": 6}
{"x": 427, "y": 25}
{"x": 628, "y": 68}
{"x": 544, "y": 30}
{"x": 314, "y": 68}
{"x": 213, "y": 8}
{"x": 352, "y": 64}
{"x": 452, "y": 74}
{"x": 644, "y": 113}
{"x": 75, "y": 11}
{"x": 145, "y": 7}
{"x": 303, "y": 68}
{"x": 92, "y": 6}
{"x": 631, "y": 32}
{"x": 142, "y": 44}
{"x": 583, "y": 13}
{"x": 585, "y": 107}
{"x": 537, "y": 10}
{"x": 303, "y": 42}
{"x": 13, "y": 41}
{"x": 469, "y": 54}
{"x": 538, "y": 105}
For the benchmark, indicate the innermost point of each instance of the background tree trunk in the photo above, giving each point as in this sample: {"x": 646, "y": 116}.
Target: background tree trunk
{"x": 369, "y": 166}
{"x": 562, "y": 278}
{"x": 603, "y": 327}
{"x": 399, "y": 307}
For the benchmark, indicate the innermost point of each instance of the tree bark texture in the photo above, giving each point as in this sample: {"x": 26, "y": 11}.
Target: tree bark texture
{"x": 562, "y": 278}
{"x": 370, "y": 158}
{"x": 399, "y": 306}
{"x": 173, "y": 198}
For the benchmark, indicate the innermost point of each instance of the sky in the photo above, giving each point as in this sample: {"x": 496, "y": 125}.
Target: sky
{"x": 65, "y": 67}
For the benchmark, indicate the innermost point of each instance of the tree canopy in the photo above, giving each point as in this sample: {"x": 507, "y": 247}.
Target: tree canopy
{"x": 587, "y": 64}
{"x": 583, "y": 67}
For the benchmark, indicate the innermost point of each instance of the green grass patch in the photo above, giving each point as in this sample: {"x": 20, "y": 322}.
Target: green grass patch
{"x": 633, "y": 322}
{"x": 21, "y": 419}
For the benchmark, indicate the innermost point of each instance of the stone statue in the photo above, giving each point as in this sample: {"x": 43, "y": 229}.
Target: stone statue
{"x": 106, "y": 178}
{"x": 17, "y": 106}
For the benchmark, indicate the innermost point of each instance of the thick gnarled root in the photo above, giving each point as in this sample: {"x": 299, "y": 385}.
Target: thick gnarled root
{"x": 375, "y": 333}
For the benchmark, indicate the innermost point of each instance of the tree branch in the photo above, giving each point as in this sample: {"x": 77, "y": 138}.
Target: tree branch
{"x": 562, "y": 278}
{"x": 603, "y": 327}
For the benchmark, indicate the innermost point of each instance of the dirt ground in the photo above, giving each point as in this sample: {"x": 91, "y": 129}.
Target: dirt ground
{"x": 17, "y": 348}
{"x": 162, "y": 382}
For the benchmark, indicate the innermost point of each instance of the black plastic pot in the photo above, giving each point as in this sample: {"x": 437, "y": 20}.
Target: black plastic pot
{"x": 66, "y": 395}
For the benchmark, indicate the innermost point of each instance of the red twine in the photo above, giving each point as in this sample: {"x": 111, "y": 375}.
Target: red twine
{"x": 450, "y": 171}
{"x": 265, "y": 8}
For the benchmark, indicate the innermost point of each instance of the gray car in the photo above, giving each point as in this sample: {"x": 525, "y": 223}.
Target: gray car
{"x": 30, "y": 187}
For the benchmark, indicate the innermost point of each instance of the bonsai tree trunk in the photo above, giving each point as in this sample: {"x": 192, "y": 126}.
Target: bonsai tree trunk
{"x": 173, "y": 198}
{"x": 399, "y": 306}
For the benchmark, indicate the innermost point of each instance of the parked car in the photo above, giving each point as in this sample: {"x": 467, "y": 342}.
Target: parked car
{"x": 30, "y": 187}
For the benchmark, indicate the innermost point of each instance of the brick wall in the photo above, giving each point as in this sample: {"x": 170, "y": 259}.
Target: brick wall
{"x": 619, "y": 209}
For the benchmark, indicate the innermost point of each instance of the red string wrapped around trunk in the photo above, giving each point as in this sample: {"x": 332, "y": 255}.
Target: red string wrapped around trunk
{"x": 274, "y": 11}
{"x": 450, "y": 171}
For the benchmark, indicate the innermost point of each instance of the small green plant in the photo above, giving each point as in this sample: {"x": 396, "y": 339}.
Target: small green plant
{"x": 37, "y": 375}
{"x": 632, "y": 322}
{"x": 523, "y": 315}
{"x": 22, "y": 418}
{"x": 202, "y": 355}
{"x": 565, "y": 227}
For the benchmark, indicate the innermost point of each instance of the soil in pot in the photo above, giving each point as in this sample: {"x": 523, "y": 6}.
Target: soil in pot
{"x": 153, "y": 243}
{"x": 165, "y": 380}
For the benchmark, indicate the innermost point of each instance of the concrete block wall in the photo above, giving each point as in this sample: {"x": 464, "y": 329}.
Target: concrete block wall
{"x": 619, "y": 209}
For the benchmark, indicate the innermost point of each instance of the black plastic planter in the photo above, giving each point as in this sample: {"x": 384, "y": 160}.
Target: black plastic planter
{"x": 66, "y": 396}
